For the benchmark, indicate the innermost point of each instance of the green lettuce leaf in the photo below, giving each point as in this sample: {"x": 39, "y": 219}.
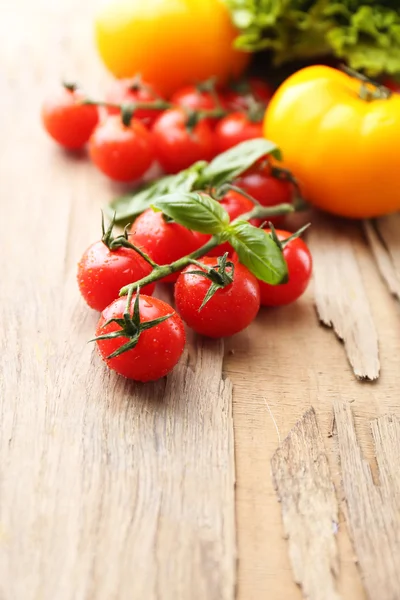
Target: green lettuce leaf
{"x": 363, "y": 33}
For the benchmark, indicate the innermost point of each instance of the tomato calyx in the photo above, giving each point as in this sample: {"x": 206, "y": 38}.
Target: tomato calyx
{"x": 218, "y": 275}
{"x": 193, "y": 117}
{"x": 131, "y": 326}
{"x": 70, "y": 86}
{"x": 121, "y": 241}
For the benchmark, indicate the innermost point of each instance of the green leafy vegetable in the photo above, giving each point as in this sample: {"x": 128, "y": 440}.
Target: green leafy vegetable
{"x": 200, "y": 176}
{"x": 258, "y": 252}
{"x": 363, "y": 33}
{"x": 198, "y": 212}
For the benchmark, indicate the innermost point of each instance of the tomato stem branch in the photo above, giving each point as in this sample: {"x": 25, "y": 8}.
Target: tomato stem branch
{"x": 161, "y": 271}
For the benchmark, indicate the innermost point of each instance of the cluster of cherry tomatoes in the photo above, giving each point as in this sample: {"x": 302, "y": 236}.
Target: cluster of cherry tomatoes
{"x": 140, "y": 336}
{"x": 134, "y": 127}
{"x": 112, "y": 263}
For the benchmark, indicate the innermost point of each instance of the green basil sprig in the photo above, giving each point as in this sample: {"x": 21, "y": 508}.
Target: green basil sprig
{"x": 255, "y": 248}
{"x": 258, "y": 252}
{"x": 198, "y": 212}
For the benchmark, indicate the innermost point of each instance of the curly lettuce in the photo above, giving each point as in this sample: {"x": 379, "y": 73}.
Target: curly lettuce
{"x": 363, "y": 33}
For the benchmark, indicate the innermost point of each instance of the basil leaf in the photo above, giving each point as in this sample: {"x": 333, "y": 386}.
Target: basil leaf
{"x": 236, "y": 160}
{"x": 198, "y": 212}
{"x": 129, "y": 206}
{"x": 258, "y": 252}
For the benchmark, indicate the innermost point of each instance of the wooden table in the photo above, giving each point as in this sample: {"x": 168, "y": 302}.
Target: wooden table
{"x": 111, "y": 490}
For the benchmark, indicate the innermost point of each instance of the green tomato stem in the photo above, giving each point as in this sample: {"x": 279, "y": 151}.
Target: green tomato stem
{"x": 264, "y": 212}
{"x": 162, "y": 271}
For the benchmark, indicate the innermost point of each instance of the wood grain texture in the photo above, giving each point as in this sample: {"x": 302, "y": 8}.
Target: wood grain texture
{"x": 373, "y": 510}
{"x": 303, "y": 483}
{"x": 68, "y": 441}
{"x": 109, "y": 490}
{"x": 340, "y": 295}
{"x": 389, "y": 227}
{"x": 383, "y": 258}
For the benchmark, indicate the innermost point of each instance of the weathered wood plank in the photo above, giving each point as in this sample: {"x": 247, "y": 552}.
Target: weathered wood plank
{"x": 309, "y": 508}
{"x": 373, "y": 510}
{"x": 340, "y": 296}
{"x": 108, "y": 490}
{"x": 383, "y": 259}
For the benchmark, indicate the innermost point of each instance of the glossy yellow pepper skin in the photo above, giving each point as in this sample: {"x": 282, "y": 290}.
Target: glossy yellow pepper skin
{"x": 340, "y": 137}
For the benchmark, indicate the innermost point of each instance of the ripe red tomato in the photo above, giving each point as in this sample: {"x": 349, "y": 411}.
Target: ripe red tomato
{"x": 178, "y": 147}
{"x": 158, "y": 349}
{"x": 103, "y": 272}
{"x": 163, "y": 242}
{"x": 259, "y": 183}
{"x": 299, "y": 262}
{"x": 393, "y": 85}
{"x": 124, "y": 91}
{"x": 238, "y": 97}
{"x": 123, "y": 153}
{"x": 197, "y": 99}
{"x": 236, "y": 128}
{"x": 67, "y": 120}
{"x": 230, "y": 310}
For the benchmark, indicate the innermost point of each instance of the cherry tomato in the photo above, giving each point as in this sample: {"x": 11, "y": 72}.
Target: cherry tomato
{"x": 67, "y": 120}
{"x": 103, "y": 272}
{"x": 230, "y": 310}
{"x": 239, "y": 96}
{"x": 235, "y": 205}
{"x": 124, "y": 91}
{"x": 269, "y": 190}
{"x": 158, "y": 349}
{"x": 123, "y": 153}
{"x": 176, "y": 146}
{"x": 393, "y": 85}
{"x": 197, "y": 99}
{"x": 236, "y": 128}
{"x": 163, "y": 242}
{"x": 299, "y": 262}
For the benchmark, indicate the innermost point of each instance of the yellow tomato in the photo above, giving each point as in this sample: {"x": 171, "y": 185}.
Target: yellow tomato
{"x": 339, "y": 140}
{"x": 169, "y": 42}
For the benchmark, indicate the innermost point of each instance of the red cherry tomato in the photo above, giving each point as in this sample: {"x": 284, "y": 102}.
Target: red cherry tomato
{"x": 236, "y": 128}
{"x": 230, "y": 310}
{"x": 178, "y": 147}
{"x": 103, "y": 272}
{"x": 197, "y": 99}
{"x": 158, "y": 349}
{"x": 299, "y": 262}
{"x": 164, "y": 242}
{"x": 267, "y": 189}
{"x": 124, "y": 91}
{"x": 240, "y": 96}
{"x": 123, "y": 153}
{"x": 393, "y": 85}
{"x": 67, "y": 120}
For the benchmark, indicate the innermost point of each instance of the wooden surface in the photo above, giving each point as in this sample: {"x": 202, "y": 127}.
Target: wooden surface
{"x": 102, "y": 483}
